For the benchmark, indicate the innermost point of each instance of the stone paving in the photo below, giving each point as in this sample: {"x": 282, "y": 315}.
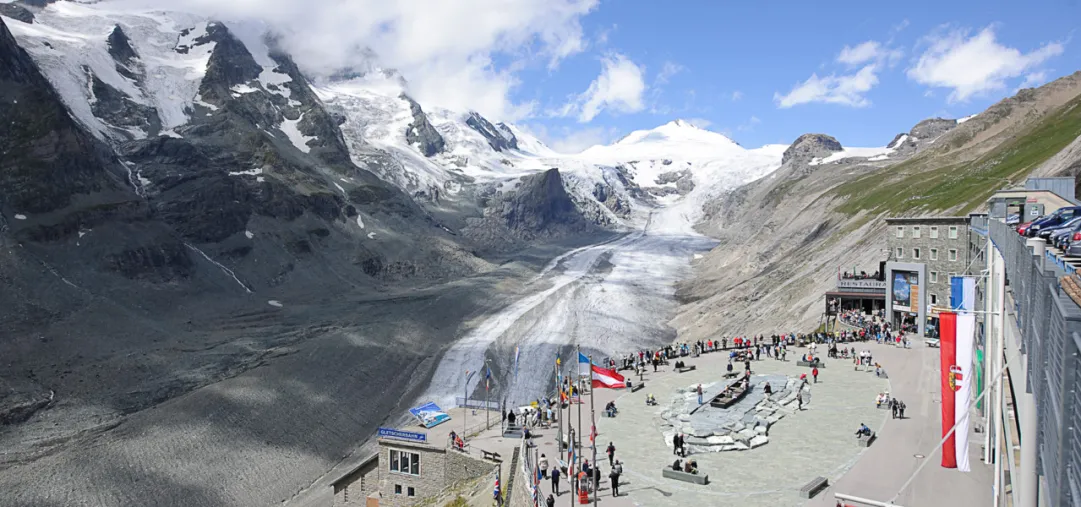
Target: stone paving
{"x": 817, "y": 441}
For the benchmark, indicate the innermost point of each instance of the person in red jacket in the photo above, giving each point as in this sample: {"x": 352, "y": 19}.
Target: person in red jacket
{"x": 814, "y": 373}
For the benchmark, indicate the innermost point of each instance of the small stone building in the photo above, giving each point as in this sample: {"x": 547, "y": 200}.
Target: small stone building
{"x": 402, "y": 473}
{"x": 942, "y": 243}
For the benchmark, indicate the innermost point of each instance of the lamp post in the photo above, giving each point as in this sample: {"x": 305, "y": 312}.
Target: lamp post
{"x": 487, "y": 380}
{"x": 465, "y": 403}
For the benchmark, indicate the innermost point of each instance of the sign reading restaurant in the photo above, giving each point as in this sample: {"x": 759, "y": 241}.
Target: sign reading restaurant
{"x": 861, "y": 284}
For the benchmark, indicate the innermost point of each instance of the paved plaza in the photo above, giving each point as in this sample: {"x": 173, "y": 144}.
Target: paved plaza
{"x": 803, "y": 445}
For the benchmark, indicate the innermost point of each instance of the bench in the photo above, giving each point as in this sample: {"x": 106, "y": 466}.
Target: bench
{"x": 668, "y": 473}
{"x": 638, "y": 387}
{"x": 865, "y": 441}
{"x": 686, "y": 369}
{"x": 731, "y": 374}
{"x": 808, "y": 364}
{"x": 513, "y": 431}
{"x": 492, "y": 456}
{"x": 814, "y": 487}
{"x": 604, "y": 413}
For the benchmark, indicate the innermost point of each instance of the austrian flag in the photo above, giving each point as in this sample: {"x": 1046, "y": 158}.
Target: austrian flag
{"x": 607, "y": 378}
{"x": 955, "y": 350}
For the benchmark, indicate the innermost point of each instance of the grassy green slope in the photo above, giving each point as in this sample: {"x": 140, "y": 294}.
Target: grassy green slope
{"x": 931, "y": 184}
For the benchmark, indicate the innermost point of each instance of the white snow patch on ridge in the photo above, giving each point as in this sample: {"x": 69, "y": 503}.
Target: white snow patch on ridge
{"x": 291, "y": 130}
{"x": 852, "y": 153}
{"x": 20, "y": 216}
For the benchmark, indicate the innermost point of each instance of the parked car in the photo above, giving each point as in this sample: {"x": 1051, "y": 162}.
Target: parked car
{"x": 1073, "y": 249}
{"x": 1050, "y": 233}
{"x": 1023, "y": 228}
{"x": 1013, "y": 219}
{"x": 1059, "y": 217}
{"x": 1060, "y": 237}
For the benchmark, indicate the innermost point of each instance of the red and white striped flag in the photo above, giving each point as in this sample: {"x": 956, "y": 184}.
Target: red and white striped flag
{"x": 956, "y": 344}
{"x": 607, "y": 378}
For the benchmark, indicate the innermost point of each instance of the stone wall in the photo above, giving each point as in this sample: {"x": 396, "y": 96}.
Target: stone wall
{"x": 353, "y": 489}
{"x": 463, "y": 467}
{"x": 942, "y": 266}
{"x": 430, "y": 482}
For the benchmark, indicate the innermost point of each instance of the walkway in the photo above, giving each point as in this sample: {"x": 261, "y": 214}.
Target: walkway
{"x": 804, "y": 445}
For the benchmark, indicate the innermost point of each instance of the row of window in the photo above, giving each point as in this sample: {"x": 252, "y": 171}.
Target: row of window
{"x": 404, "y": 462}
{"x": 916, "y": 232}
{"x": 917, "y": 254}
{"x": 934, "y": 276}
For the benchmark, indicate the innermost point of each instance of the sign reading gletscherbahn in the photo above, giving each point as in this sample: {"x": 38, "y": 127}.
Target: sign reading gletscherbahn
{"x": 402, "y": 435}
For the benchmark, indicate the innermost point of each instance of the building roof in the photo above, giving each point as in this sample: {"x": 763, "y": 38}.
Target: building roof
{"x": 927, "y": 220}
{"x": 1047, "y": 196}
{"x": 348, "y": 476}
{"x": 864, "y": 295}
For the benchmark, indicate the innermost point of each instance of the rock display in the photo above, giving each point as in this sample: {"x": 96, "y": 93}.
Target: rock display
{"x": 743, "y": 426}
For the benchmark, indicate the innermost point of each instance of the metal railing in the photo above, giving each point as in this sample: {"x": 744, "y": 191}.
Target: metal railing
{"x": 1050, "y": 330}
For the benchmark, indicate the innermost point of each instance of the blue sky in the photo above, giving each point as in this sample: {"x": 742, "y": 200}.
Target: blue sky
{"x": 731, "y": 65}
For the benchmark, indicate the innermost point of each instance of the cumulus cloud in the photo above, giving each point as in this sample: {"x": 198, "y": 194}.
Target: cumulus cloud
{"x": 736, "y": 95}
{"x": 1034, "y": 79}
{"x": 974, "y": 65}
{"x": 620, "y": 88}
{"x": 847, "y": 90}
{"x": 446, "y": 50}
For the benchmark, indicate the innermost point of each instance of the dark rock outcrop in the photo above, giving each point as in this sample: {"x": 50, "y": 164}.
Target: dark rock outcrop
{"x": 541, "y": 205}
{"x": 929, "y": 129}
{"x": 230, "y": 64}
{"x": 120, "y": 47}
{"x": 39, "y": 3}
{"x": 421, "y": 132}
{"x": 16, "y": 12}
{"x": 811, "y": 146}
{"x": 496, "y": 137}
{"x": 118, "y": 110}
{"x": 508, "y": 134}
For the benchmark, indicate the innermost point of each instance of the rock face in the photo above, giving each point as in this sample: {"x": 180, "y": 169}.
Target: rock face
{"x": 17, "y": 12}
{"x": 810, "y": 146}
{"x": 230, "y": 64}
{"x": 421, "y": 132}
{"x": 932, "y": 128}
{"x": 541, "y": 205}
{"x": 497, "y": 138}
{"x": 120, "y": 46}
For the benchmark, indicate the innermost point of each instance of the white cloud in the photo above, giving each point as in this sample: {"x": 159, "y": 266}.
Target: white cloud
{"x": 859, "y": 54}
{"x": 845, "y": 90}
{"x": 750, "y": 125}
{"x": 1034, "y": 79}
{"x": 619, "y": 88}
{"x": 701, "y": 123}
{"x": 569, "y": 141}
{"x": 444, "y": 49}
{"x": 975, "y": 65}
{"x": 736, "y": 95}
{"x": 869, "y": 51}
{"x": 667, "y": 71}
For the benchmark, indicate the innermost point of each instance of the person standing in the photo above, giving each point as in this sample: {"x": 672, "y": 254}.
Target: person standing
{"x": 544, "y": 466}
{"x": 611, "y": 453}
{"x": 799, "y": 399}
{"x": 550, "y": 502}
{"x": 901, "y": 409}
{"x": 814, "y": 373}
{"x": 614, "y": 475}
{"x": 699, "y": 391}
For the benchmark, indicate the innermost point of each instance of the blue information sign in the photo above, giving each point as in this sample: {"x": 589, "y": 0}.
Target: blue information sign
{"x": 402, "y": 435}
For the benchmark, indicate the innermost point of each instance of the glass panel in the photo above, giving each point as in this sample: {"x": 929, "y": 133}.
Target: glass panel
{"x": 394, "y": 461}
{"x": 415, "y": 465}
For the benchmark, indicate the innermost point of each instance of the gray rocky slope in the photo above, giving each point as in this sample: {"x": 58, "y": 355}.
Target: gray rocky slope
{"x": 784, "y": 237}
{"x": 216, "y": 316}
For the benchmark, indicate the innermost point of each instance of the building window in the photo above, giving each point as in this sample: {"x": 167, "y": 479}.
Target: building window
{"x": 916, "y": 232}
{"x": 934, "y": 299}
{"x": 411, "y": 491}
{"x": 916, "y": 253}
{"x": 934, "y": 232}
{"x": 934, "y": 277}
{"x": 404, "y": 462}
{"x": 900, "y": 253}
{"x": 934, "y": 254}
{"x": 953, "y": 254}
{"x": 953, "y": 232}
{"x": 900, "y": 231}
{"x": 398, "y": 488}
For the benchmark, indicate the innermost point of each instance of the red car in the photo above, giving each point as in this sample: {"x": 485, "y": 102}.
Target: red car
{"x": 1023, "y": 227}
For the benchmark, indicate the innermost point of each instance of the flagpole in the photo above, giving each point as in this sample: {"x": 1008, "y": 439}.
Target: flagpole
{"x": 559, "y": 409}
{"x": 578, "y": 387}
{"x": 593, "y": 431}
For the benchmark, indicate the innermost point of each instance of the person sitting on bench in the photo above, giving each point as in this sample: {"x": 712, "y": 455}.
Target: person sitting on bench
{"x": 864, "y": 430}
{"x": 729, "y": 366}
{"x": 679, "y": 365}
{"x": 650, "y": 400}
{"x": 610, "y": 408}
{"x": 677, "y": 465}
